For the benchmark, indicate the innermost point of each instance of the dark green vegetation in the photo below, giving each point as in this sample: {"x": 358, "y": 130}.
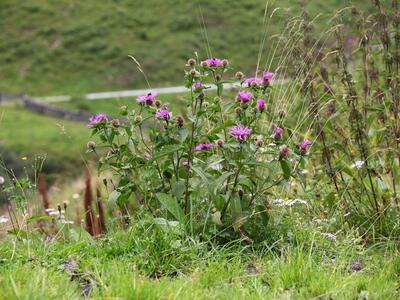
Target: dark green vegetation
{"x": 75, "y": 47}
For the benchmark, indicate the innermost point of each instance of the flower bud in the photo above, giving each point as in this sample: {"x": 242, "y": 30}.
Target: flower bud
{"x": 219, "y": 143}
{"x": 239, "y": 75}
{"x": 2, "y": 180}
{"x": 180, "y": 120}
{"x": 213, "y": 210}
{"x": 138, "y": 119}
{"x": 191, "y": 62}
{"x": 193, "y": 72}
{"x": 255, "y": 110}
{"x": 65, "y": 204}
{"x": 217, "y": 99}
{"x": 238, "y": 110}
{"x": 91, "y": 145}
{"x": 284, "y": 151}
{"x": 123, "y": 110}
{"x": 158, "y": 103}
{"x": 225, "y": 63}
{"x": 204, "y": 64}
{"x": 206, "y": 104}
{"x": 115, "y": 122}
{"x": 282, "y": 114}
{"x": 260, "y": 143}
{"x": 253, "y": 84}
{"x": 241, "y": 193}
{"x": 218, "y": 77}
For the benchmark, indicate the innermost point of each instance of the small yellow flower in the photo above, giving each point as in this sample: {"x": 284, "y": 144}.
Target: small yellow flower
{"x": 24, "y": 158}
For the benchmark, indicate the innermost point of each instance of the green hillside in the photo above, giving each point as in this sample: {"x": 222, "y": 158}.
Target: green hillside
{"x": 55, "y": 47}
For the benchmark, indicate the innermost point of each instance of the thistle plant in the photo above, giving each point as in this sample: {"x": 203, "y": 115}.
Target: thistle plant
{"x": 210, "y": 170}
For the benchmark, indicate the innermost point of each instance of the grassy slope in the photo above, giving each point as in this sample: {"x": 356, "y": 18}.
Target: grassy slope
{"x": 53, "y": 47}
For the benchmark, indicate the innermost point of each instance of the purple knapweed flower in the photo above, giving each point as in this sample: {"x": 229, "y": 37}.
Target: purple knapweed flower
{"x": 198, "y": 86}
{"x": 163, "y": 113}
{"x": 96, "y": 119}
{"x": 147, "y": 99}
{"x": 284, "y": 151}
{"x": 240, "y": 132}
{"x": 253, "y": 80}
{"x": 245, "y": 96}
{"x": 267, "y": 76}
{"x": 185, "y": 163}
{"x": 303, "y": 146}
{"x": 277, "y": 132}
{"x": 204, "y": 146}
{"x": 261, "y": 104}
{"x": 214, "y": 62}
{"x": 147, "y": 155}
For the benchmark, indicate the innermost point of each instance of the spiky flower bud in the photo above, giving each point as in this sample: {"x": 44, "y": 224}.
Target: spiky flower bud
{"x": 239, "y": 75}
{"x": 213, "y": 210}
{"x": 260, "y": 142}
{"x": 123, "y": 110}
{"x": 204, "y": 64}
{"x": 238, "y": 110}
{"x": 225, "y": 63}
{"x": 219, "y": 143}
{"x": 180, "y": 120}
{"x": 91, "y": 145}
{"x": 206, "y": 104}
{"x": 138, "y": 119}
{"x": 255, "y": 110}
{"x": 191, "y": 62}
{"x": 194, "y": 72}
{"x": 284, "y": 151}
{"x": 158, "y": 103}
{"x": 115, "y": 122}
{"x": 282, "y": 114}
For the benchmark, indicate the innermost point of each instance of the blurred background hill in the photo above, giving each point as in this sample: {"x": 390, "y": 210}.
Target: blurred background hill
{"x": 74, "y": 47}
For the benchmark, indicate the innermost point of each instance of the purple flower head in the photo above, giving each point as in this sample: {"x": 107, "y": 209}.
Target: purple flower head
{"x": 256, "y": 81}
{"x": 204, "y": 146}
{"x": 261, "y": 104}
{"x": 284, "y": 151}
{"x": 303, "y": 146}
{"x": 96, "y": 119}
{"x": 214, "y": 62}
{"x": 240, "y": 132}
{"x": 277, "y": 132}
{"x": 267, "y": 76}
{"x": 163, "y": 113}
{"x": 147, "y": 155}
{"x": 147, "y": 99}
{"x": 245, "y": 96}
{"x": 185, "y": 163}
{"x": 198, "y": 85}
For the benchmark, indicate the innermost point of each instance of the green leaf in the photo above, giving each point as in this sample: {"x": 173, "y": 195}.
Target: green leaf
{"x": 35, "y": 218}
{"x": 209, "y": 185}
{"x": 166, "y": 151}
{"x": 220, "y": 181}
{"x": 172, "y": 206}
{"x": 178, "y": 187}
{"x": 286, "y": 168}
{"x": 114, "y": 195}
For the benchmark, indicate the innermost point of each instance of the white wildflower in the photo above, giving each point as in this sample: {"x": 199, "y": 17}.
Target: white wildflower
{"x": 2, "y": 180}
{"x": 329, "y": 236}
{"x": 3, "y": 219}
{"x": 358, "y": 164}
{"x": 75, "y": 196}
